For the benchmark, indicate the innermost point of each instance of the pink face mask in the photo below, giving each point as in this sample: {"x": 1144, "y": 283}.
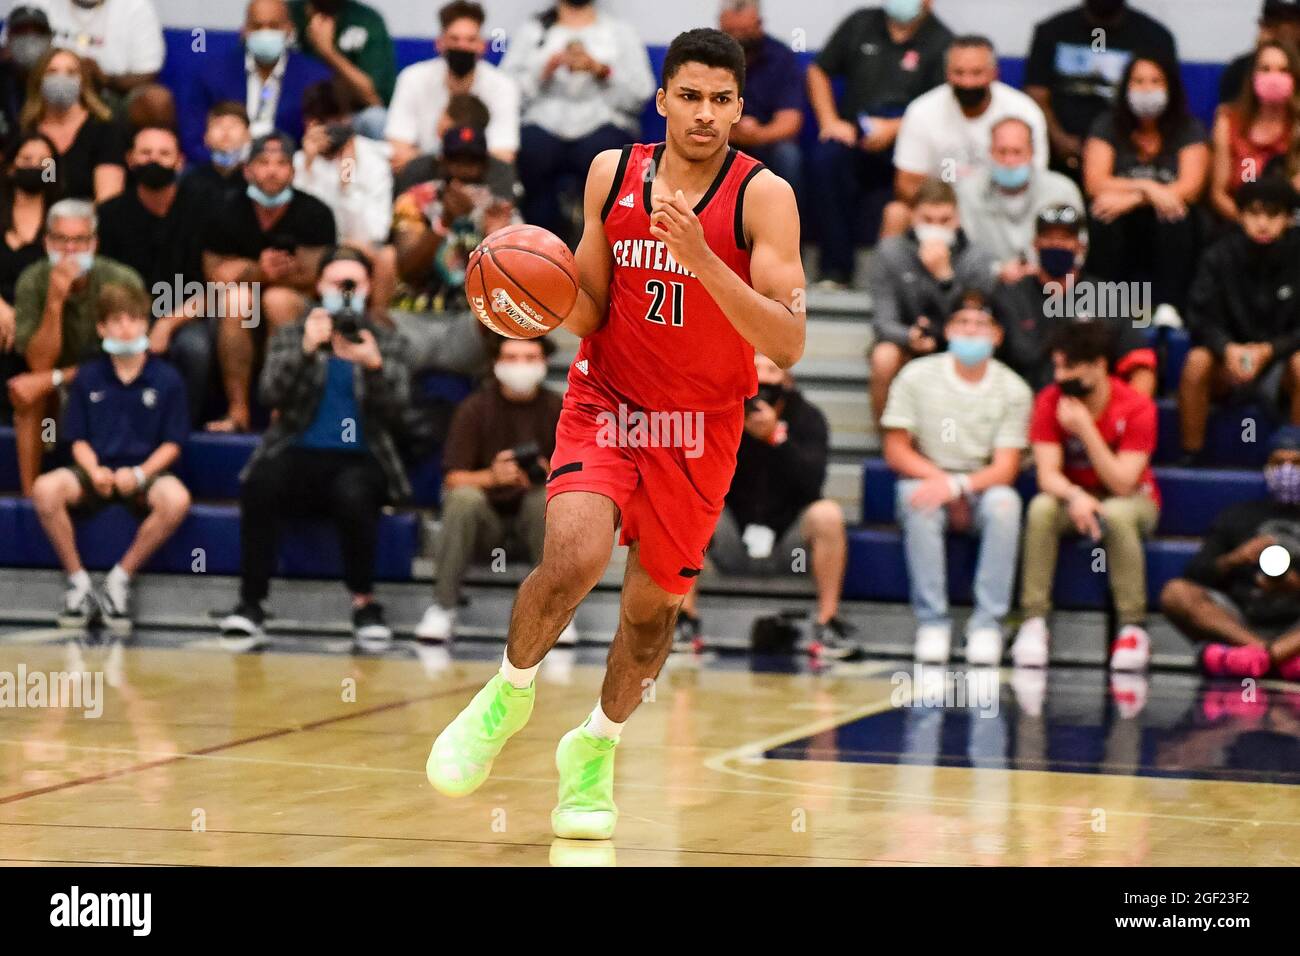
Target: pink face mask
{"x": 1274, "y": 87}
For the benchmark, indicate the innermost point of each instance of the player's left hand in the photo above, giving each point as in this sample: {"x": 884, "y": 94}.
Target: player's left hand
{"x": 675, "y": 223}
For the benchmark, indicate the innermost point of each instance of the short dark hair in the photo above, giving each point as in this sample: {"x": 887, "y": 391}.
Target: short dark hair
{"x": 934, "y": 191}
{"x": 345, "y": 253}
{"x": 461, "y": 10}
{"x": 496, "y": 342}
{"x": 466, "y": 109}
{"x": 228, "y": 108}
{"x": 114, "y": 299}
{"x": 972, "y": 41}
{"x": 135, "y": 134}
{"x": 328, "y": 100}
{"x": 710, "y": 47}
{"x": 1084, "y": 341}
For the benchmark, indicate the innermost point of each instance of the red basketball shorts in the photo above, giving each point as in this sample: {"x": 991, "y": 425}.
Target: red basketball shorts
{"x": 668, "y": 473}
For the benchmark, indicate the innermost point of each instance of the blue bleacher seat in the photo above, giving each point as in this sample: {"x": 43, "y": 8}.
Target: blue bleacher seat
{"x": 1237, "y": 435}
{"x": 8, "y": 462}
{"x": 210, "y": 464}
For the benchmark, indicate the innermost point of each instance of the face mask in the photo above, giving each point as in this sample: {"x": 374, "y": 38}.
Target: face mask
{"x": 135, "y": 346}
{"x": 1147, "y": 104}
{"x": 902, "y": 11}
{"x": 1284, "y": 482}
{"x": 1104, "y": 9}
{"x": 969, "y": 97}
{"x": 1075, "y": 387}
{"x": 267, "y": 46}
{"x": 927, "y": 232}
{"x": 84, "y": 260}
{"x": 61, "y": 91}
{"x": 771, "y": 392}
{"x": 460, "y": 62}
{"x": 28, "y": 179}
{"x": 270, "y": 202}
{"x": 1011, "y": 177}
{"x": 970, "y": 350}
{"x": 154, "y": 175}
{"x": 1057, "y": 263}
{"x": 27, "y": 49}
{"x": 1274, "y": 87}
{"x": 331, "y": 301}
{"x": 520, "y": 377}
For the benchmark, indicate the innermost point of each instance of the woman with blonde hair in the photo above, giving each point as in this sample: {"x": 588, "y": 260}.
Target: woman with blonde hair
{"x": 63, "y": 105}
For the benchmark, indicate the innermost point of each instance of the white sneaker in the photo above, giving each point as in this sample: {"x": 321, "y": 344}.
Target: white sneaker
{"x": 1030, "y": 646}
{"x": 933, "y": 641}
{"x": 984, "y": 647}
{"x": 568, "y": 637}
{"x": 437, "y": 624}
{"x": 1131, "y": 651}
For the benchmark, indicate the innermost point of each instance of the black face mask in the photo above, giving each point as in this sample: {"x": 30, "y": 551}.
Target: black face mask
{"x": 1057, "y": 263}
{"x": 1103, "y": 9}
{"x": 154, "y": 175}
{"x": 970, "y": 96}
{"x": 1074, "y": 387}
{"x": 460, "y": 62}
{"x": 28, "y": 179}
{"x": 771, "y": 392}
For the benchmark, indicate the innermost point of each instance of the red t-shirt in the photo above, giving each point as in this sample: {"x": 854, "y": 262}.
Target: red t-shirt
{"x": 1128, "y": 423}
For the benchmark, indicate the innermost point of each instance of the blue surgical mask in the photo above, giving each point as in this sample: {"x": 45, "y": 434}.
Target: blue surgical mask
{"x": 84, "y": 260}
{"x": 1011, "y": 177}
{"x": 229, "y": 158}
{"x": 1147, "y": 104}
{"x": 267, "y": 46}
{"x": 902, "y": 11}
{"x": 270, "y": 202}
{"x": 136, "y": 346}
{"x": 1283, "y": 482}
{"x": 61, "y": 91}
{"x": 331, "y": 301}
{"x": 970, "y": 350}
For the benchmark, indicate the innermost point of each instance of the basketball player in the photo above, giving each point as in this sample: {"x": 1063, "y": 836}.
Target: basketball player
{"x": 689, "y": 261}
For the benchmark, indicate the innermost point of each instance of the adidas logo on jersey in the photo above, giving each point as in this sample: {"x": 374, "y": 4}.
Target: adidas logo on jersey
{"x": 582, "y": 366}
{"x": 629, "y": 200}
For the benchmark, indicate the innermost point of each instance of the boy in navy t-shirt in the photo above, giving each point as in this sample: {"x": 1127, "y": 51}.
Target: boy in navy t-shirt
{"x": 126, "y": 419}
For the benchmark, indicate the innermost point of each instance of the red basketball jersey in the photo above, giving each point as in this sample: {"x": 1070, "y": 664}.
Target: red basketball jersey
{"x": 666, "y": 344}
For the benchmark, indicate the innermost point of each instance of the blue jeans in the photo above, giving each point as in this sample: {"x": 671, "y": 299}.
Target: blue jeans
{"x": 547, "y": 164}
{"x": 996, "y": 513}
{"x": 852, "y": 188}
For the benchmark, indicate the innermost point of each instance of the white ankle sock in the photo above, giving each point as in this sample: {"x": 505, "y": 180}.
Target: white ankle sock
{"x": 602, "y": 726}
{"x": 517, "y": 677}
{"x": 80, "y": 580}
{"x": 118, "y": 575}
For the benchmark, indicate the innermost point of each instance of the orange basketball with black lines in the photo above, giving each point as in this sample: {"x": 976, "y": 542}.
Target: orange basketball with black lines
{"x": 521, "y": 281}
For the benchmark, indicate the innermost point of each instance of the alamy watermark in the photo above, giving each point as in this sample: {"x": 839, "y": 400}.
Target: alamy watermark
{"x": 228, "y": 300}
{"x": 976, "y": 688}
{"x": 637, "y": 429}
{"x": 1086, "y": 299}
{"x": 73, "y": 690}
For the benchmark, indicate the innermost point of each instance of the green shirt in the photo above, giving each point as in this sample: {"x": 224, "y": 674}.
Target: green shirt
{"x": 361, "y": 35}
{"x": 80, "y": 311}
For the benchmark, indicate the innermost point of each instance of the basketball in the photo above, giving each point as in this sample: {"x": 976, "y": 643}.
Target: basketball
{"x": 521, "y": 281}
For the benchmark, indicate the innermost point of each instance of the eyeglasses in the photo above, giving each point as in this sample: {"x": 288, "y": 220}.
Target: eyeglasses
{"x": 59, "y": 238}
{"x": 1060, "y": 216}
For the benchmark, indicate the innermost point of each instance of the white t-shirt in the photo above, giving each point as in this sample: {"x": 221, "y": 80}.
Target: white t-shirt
{"x": 937, "y": 138}
{"x": 359, "y": 194}
{"x": 420, "y": 98}
{"x": 122, "y": 36}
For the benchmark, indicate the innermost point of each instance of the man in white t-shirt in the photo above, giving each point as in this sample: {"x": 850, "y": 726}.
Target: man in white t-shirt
{"x": 424, "y": 89}
{"x": 123, "y": 36}
{"x": 947, "y": 132}
{"x": 956, "y": 425}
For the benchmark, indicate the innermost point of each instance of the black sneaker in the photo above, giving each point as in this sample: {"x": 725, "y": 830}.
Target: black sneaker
{"x": 368, "y": 627}
{"x": 686, "y": 633}
{"x": 114, "y": 604}
{"x": 78, "y": 608}
{"x": 244, "y": 621}
{"x": 834, "y": 641}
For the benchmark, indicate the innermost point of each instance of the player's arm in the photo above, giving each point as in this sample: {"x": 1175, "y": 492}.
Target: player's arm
{"x": 770, "y": 314}
{"x": 595, "y": 262}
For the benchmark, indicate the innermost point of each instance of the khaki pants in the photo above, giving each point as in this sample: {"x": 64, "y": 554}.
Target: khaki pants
{"x": 471, "y": 528}
{"x": 1127, "y": 521}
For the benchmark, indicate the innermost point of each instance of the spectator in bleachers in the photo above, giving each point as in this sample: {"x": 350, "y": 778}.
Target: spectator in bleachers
{"x": 1093, "y": 438}
{"x": 947, "y": 133}
{"x": 495, "y": 462}
{"x": 351, "y": 174}
{"x": 351, "y": 38}
{"x": 126, "y": 421}
{"x": 329, "y": 451}
{"x": 775, "y": 520}
{"x": 157, "y": 228}
{"x": 1244, "y": 315}
{"x": 226, "y": 139}
{"x": 27, "y": 38}
{"x": 887, "y": 57}
{"x": 774, "y": 94}
{"x": 1146, "y": 164}
{"x": 265, "y": 73}
{"x": 123, "y": 37}
{"x": 424, "y": 90}
{"x": 915, "y": 281}
{"x": 1056, "y": 292}
{"x": 55, "y": 305}
{"x": 1000, "y": 204}
{"x": 436, "y": 225}
{"x": 956, "y": 426}
{"x": 1249, "y": 620}
{"x": 1278, "y": 20}
{"x": 1075, "y": 79}
{"x": 584, "y": 77}
{"x": 463, "y": 109}
{"x": 1255, "y": 128}
{"x": 270, "y": 240}
{"x": 62, "y": 104}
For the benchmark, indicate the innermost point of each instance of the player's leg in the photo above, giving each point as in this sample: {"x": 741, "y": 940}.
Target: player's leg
{"x": 585, "y": 756}
{"x": 53, "y": 494}
{"x": 579, "y": 538}
{"x": 168, "y": 502}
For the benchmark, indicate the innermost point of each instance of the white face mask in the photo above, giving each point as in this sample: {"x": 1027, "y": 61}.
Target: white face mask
{"x": 520, "y": 377}
{"x": 928, "y": 232}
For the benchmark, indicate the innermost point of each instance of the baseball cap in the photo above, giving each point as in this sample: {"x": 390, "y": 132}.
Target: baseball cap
{"x": 1281, "y": 10}
{"x": 22, "y": 17}
{"x": 1272, "y": 191}
{"x": 466, "y": 141}
{"x": 1286, "y": 438}
{"x": 1060, "y": 216}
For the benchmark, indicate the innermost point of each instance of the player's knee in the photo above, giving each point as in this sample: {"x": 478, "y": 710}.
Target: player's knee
{"x": 171, "y": 499}
{"x": 49, "y": 496}
{"x": 824, "y": 518}
{"x": 886, "y": 358}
